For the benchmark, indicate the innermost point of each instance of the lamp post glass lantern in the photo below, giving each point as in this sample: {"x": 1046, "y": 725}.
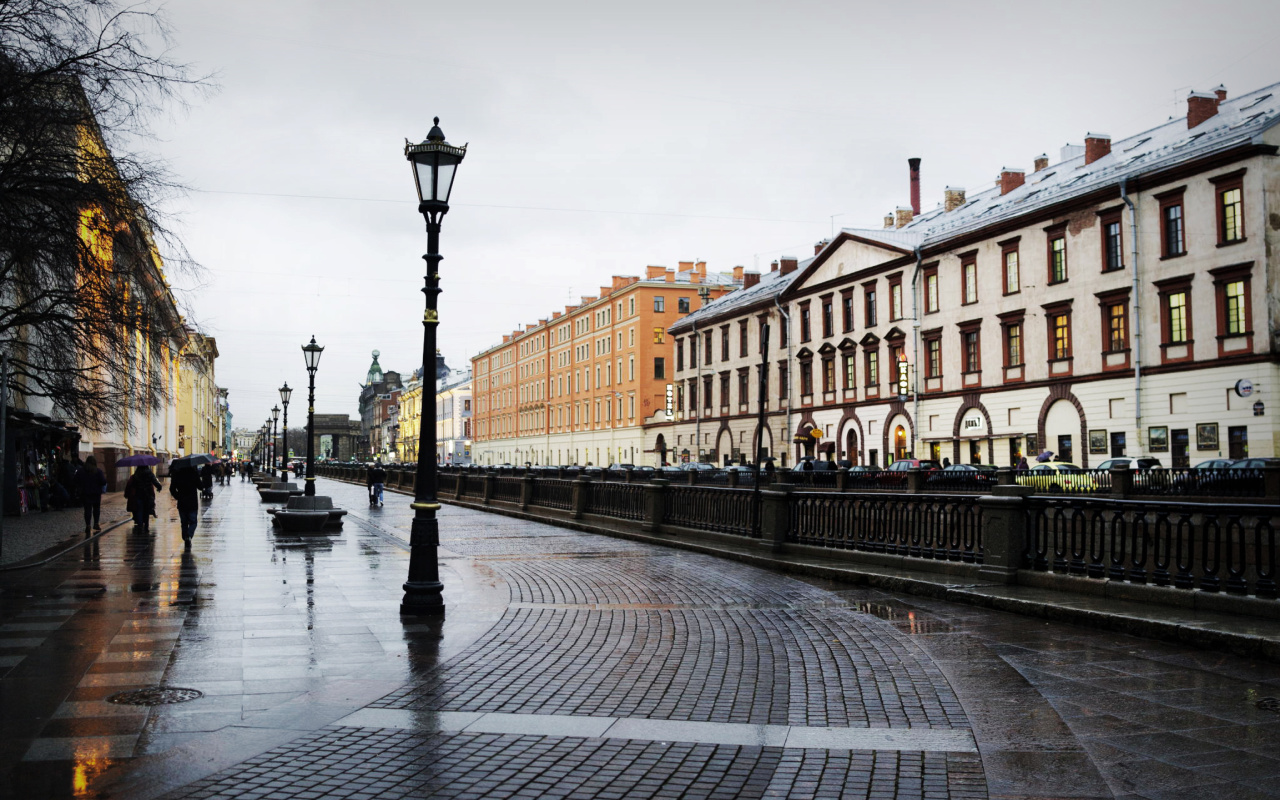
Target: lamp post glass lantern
{"x": 435, "y": 164}
{"x": 285, "y": 394}
{"x": 311, "y": 353}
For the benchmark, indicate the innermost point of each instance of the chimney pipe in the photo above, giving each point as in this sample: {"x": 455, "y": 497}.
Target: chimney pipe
{"x": 1096, "y": 145}
{"x": 750, "y": 279}
{"x": 788, "y": 264}
{"x": 1221, "y": 92}
{"x": 1011, "y": 179}
{"x": 888, "y": 220}
{"x": 952, "y": 198}
{"x": 1042, "y": 162}
{"x": 914, "y": 164}
{"x": 1200, "y": 107}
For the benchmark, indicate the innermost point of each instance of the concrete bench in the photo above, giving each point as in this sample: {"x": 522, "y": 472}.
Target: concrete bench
{"x": 309, "y": 504}
{"x": 278, "y": 492}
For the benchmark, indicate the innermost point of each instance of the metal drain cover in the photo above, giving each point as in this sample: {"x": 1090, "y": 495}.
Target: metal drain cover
{"x": 1269, "y": 704}
{"x": 155, "y": 696}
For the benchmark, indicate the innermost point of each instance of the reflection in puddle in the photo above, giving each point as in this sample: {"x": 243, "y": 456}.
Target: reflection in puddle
{"x": 905, "y": 620}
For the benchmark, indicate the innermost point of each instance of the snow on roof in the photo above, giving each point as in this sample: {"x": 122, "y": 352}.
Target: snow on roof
{"x": 771, "y": 285}
{"x": 1238, "y": 121}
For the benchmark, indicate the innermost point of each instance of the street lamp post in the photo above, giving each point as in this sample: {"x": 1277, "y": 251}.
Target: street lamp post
{"x": 285, "y": 394}
{"x": 761, "y": 394}
{"x": 435, "y": 162}
{"x": 311, "y": 352}
{"x": 275, "y": 429}
{"x": 703, "y": 294}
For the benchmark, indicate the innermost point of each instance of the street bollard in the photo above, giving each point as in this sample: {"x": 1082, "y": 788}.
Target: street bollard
{"x": 1004, "y": 533}
{"x": 655, "y": 504}
{"x": 775, "y": 516}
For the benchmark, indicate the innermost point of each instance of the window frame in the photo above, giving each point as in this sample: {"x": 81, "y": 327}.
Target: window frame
{"x": 828, "y": 316}
{"x": 1222, "y": 278}
{"x": 870, "y": 309}
{"x": 1222, "y": 184}
{"x": 1056, "y": 233}
{"x": 1174, "y": 198}
{"x": 1108, "y": 302}
{"x": 931, "y": 341}
{"x": 1007, "y": 247}
{"x": 970, "y": 362}
{"x": 1107, "y": 218}
{"x": 897, "y": 307}
{"x": 846, "y": 309}
{"x": 806, "y": 322}
{"x": 1165, "y": 290}
{"x": 683, "y": 304}
{"x": 659, "y": 304}
{"x": 1052, "y": 311}
{"x": 931, "y": 298}
{"x": 968, "y": 270}
{"x": 1010, "y": 321}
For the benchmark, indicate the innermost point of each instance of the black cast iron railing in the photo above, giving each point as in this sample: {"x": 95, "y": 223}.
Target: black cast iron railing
{"x": 711, "y": 509}
{"x": 552, "y": 493}
{"x": 621, "y": 500}
{"x": 942, "y": 527}
{"x": 1185, "y": 545}
{"x": 506, "y": 489}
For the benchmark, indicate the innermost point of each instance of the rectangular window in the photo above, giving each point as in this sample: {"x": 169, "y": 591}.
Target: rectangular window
{"x": 784, "y": 382}
{"x": 1176, "y": 310}
{"x": 969, "y": 286}
{"x": 828, "y": 375}
{"x": 1117, "y": 327}
{"x": 659, "y": 305}
{"x": 1112, "y": 244}
{"x": 724, "y": 391}
{"x": 724, "y": 342}
{"x": 806, "y": 378}
{"x": 682, "y": 305}
{"x": 804, "y": 322}
{"x": 930, "y": 292}
{"x": 1231, "y": 203}
{"x": 1058, "y": 259}
{"x": 933, "y": 358}
{"x": 742, "y": 338}
{"x": 706, "y": 393}
{"x": 1172, "y": 238}
{"x": 693, "y": 396}
{"x": 659, "y": 368}
{"x": 873, "y": 368}
{"x": 659, "y": 335}
{"x": 972, "y": 352}
{"x": 679, "y": 355}
{"x": 706, "y": 348}
{"x": 828, "y": 318}
{"x": 895, "y": 301}
{"x": 1013, "y": 344}
{"x": 1060, "y": 327}
{"x": 1011, "y": 277}
{"x": 849, "y": 378}
{"x": 1233, "y": 308}
{"x": 870, "y": 308}
{"x": 743, "y": 390}
{"x": 846, "y": 308}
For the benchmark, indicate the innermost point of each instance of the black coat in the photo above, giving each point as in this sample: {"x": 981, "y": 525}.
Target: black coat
{"x": 184, "y": 486}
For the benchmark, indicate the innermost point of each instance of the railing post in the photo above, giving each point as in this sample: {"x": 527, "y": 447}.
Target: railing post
{"x": 1005, "y": 476}
{"x": 842, "y": 479}
{"x": 580, "y": 489}
{"x": 560, "y": 473}
{"x": 460, "y": 488}
{"x": 915, "y": 481}
{"x": 692, "y": 477}
{"x": 655, "y": 504}
{"x": 1271, "y": 482}
{"x": 775, "y": 516}
{"x": 1121, "y": 482}
{"x": 490, "y": 483}
{"x": 1004, "y": 533}
{"x": 526, "y": 491}
{"x": 733, "y": 479}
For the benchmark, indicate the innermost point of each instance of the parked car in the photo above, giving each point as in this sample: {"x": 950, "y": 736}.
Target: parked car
{"x": 1242, "y": 478}
{"x": 896, "y": 473}
{"x": 963, "y": 476}
{"x": 699, "y": 466}
{"x": 1141, "y": 467}
{"x": 1058, "y": 476}
{"x": 1188, "y": 482}
{"x": 811, "y": 464}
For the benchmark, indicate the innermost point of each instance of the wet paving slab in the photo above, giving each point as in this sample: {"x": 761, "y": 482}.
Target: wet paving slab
{"x": 576, "y": 665}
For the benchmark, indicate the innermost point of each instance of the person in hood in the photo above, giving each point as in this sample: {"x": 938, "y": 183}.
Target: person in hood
{"x": 184, "y": 486}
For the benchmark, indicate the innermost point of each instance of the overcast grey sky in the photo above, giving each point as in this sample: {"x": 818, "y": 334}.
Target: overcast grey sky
{"x": 606, "y": 137}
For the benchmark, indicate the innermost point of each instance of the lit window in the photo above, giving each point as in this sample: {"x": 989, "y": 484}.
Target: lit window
{"x": 1061, "y": 336}
{"x": 1117, "y": 327}
{"x": 1234, "y": 308}
{"x": 1013, "y": 345}
{"x": 933, "y": 363}
{"x": 659, "y": 336}
{"x": 1232, "y": 215}
{"x": 1177, "y": 317}
{"x": 1058, "y": 259}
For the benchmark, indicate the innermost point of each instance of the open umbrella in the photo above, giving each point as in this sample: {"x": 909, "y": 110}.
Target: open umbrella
{"x": 138, "y": 460}
{"x": 193, "y": 460}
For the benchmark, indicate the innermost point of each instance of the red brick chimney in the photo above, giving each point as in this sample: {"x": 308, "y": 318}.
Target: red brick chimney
{"x": 818, "y": 245}
{"x": 773, "y": 267}
{"x": 1200, "y": 107}
{"x": 1011, "y": 179}
{"x": 737, "y": 273}
{"x": 652, "y": 272}
{"x": 788, "y": 264}
{"x": 914, "y": 164}
{"x": 750, "y": 279}
{"x": 1042, "y": 162}
{"x": 1221, "y": 92}
{"x": 1096, "y": 145}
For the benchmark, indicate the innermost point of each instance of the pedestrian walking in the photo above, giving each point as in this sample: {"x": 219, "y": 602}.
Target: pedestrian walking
{"x": 184, "y": 486}
{"x": 140, "y": 492}
{"x": 206, "y": 481}
{"x": 374, "y": 479}
{"x": 91, "y": 484}
{"x": 1022, "y": 463}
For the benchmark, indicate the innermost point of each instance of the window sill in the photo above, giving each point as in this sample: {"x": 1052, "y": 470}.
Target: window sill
{"x": 1172, "y": 256}
{"x": 1010, "y": 294}
{"x": 1113, "y": 269}
{"x": 1241, "y": 240}
{"x": 1056, "y": 283}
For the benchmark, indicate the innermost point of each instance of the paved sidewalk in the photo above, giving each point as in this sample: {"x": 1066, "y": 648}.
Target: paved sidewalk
{"x": 575, "y": 665}
{"x": 36, "y": 533}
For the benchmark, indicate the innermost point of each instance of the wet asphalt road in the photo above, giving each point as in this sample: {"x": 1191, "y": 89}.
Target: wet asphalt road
{"x": 580, "y": 666}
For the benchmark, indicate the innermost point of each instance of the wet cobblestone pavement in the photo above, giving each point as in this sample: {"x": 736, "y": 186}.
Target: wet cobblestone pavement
{"x": 574, "y": 665}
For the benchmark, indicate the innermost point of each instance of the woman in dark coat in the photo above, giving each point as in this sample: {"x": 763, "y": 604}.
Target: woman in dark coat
{"x": 141, "y": 493}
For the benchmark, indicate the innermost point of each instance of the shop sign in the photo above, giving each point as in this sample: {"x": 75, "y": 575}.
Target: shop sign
{"x": 1244, "y": 387}
{"x": 671, "y": 399}
{"x": 904, "y": 378}
{"x": 973, "y": 424}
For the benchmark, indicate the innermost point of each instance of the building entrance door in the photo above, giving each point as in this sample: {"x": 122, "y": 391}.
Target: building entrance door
{"x": 1117, "y": 444}
{"x": 1238, "y": 442}
{"x": 1180, "y": 446}
{"x": 1065, "y": 452}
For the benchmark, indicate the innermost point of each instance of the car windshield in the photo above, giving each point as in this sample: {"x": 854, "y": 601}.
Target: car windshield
{"x": 1070, "y": 469}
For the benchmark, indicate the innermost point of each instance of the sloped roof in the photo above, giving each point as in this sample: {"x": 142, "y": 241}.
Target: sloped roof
{"x": 771, "y": 285}
{"x": 1239, "y": 121}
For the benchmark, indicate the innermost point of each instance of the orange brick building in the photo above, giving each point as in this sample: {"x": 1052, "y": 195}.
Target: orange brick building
{"x": 577, "y": 387}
